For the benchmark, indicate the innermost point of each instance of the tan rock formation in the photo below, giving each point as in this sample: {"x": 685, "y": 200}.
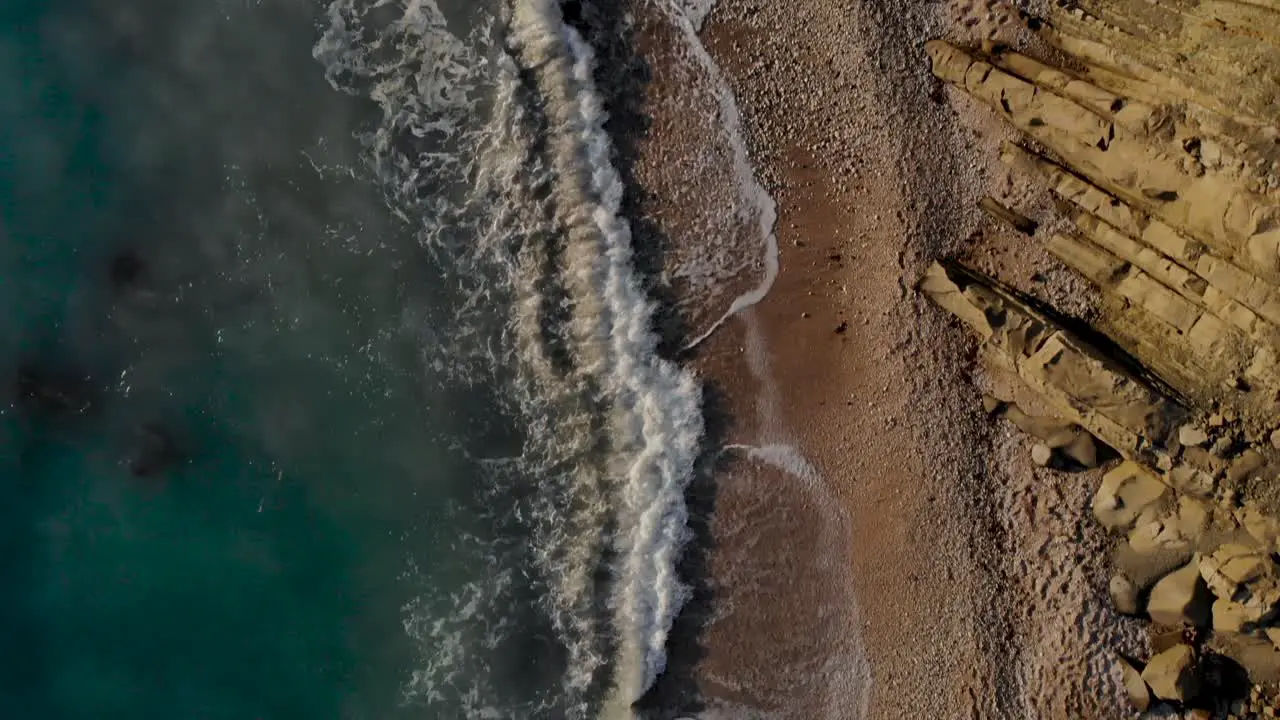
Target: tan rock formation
{"x": 1160, "y": 143}
{"x": 1130, "y": 495}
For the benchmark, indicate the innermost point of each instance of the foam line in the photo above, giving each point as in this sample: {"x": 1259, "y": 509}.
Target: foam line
{"x": 656, "y": 417}
{"x": 744, "y": 172}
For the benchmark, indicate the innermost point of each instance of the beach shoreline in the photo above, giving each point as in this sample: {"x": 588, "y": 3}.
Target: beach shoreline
{"x": 877, "y": 543}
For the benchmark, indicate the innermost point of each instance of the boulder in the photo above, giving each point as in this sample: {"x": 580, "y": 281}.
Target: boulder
{"x": 1262, "y": 527}
{"x": 1124, "y": 594}
{"x": 1149, "y": 537}
{"x": 1181, "y": 597}
{"x": 1134, "y": 686}
{"x": 1245, "y": 466}
{"x": 1180, "y": 531}
{"x": 1273, "y": 634}
{"x": 1083, "y": 449}
{"x": 1202, "y": 459}
{"x": 1164, "y": 638}
{"x": 1231, "y": 617}
{"x": 1257, "y": 655}
{"x": 1247, "y": 585}
{"x": 1171, "y": 675}
{"x": 1129, "y": 492}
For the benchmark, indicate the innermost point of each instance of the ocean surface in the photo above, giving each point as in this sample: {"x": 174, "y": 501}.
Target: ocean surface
{"x": 333, "y": 389}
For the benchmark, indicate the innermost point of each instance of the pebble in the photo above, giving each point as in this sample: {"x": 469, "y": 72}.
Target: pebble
{"x": 1192, "y": 436}
{"x": 1041, "y": 454}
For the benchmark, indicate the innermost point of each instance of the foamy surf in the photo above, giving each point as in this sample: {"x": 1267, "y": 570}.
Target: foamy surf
{"x": 689, "y": 16}
{"x": 656, "y": 421}
{"x": 613, "y": 429}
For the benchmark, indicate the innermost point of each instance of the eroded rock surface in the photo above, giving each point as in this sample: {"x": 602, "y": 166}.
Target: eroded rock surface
{"x": 1159, "y": 142}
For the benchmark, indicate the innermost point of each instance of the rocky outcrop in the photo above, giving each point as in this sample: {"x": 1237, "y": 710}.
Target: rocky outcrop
{"x": 1159, "y": 142}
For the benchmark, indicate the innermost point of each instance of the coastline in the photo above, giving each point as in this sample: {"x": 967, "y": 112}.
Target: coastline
{"x": 879, "y": 547}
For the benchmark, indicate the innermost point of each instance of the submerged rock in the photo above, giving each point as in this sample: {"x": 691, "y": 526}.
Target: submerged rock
{"x": 127, "y": 270}
{"x": 156, "y": 451}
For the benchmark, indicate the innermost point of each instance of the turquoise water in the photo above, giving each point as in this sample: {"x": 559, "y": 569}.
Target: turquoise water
{"x": 331, "y": 391}
{"x": 179, "y": 281}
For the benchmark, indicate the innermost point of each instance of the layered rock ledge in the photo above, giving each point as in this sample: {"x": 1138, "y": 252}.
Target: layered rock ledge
{"x": 1154, "y": 125}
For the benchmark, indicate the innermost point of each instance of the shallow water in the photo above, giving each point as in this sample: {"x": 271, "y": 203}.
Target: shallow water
{"x": 332, "y": 391}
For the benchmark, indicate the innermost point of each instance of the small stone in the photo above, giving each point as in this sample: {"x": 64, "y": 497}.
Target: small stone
{"x": 1171, "y": 675}
{"x": 1216, "y": 420}
{"x": 1275, "y": 439}
{"x": 1041, "y": 454}
{"x": 1124, "y": 594}
{"x": 1192, "y": 436}
{"x": 1222, "y": 446}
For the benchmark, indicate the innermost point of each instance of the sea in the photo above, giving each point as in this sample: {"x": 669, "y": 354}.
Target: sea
{"x": 335, "y": 384}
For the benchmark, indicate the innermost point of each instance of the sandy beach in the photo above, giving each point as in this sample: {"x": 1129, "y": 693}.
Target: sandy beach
{"x": 881, "y": 549}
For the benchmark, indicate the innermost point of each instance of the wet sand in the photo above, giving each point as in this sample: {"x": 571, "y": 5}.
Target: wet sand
{"x": 881, "y": 549}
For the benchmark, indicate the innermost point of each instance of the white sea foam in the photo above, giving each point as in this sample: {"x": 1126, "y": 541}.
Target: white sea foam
{"x": 783, "y": 457}
{"x": 688, "y": 16}
{"x": 696, "y": 10}
{"x": 624, "y": 487}
{"x": 656, "y": 422}
{"x": 839, "y": 680}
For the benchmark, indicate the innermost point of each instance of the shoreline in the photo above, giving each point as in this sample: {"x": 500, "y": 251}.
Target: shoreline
{"x": 851, "y": 236}
{"x": 877, "y": 542}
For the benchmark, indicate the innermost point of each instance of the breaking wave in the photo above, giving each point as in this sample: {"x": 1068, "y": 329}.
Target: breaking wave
{"x": 490, "y": 138}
